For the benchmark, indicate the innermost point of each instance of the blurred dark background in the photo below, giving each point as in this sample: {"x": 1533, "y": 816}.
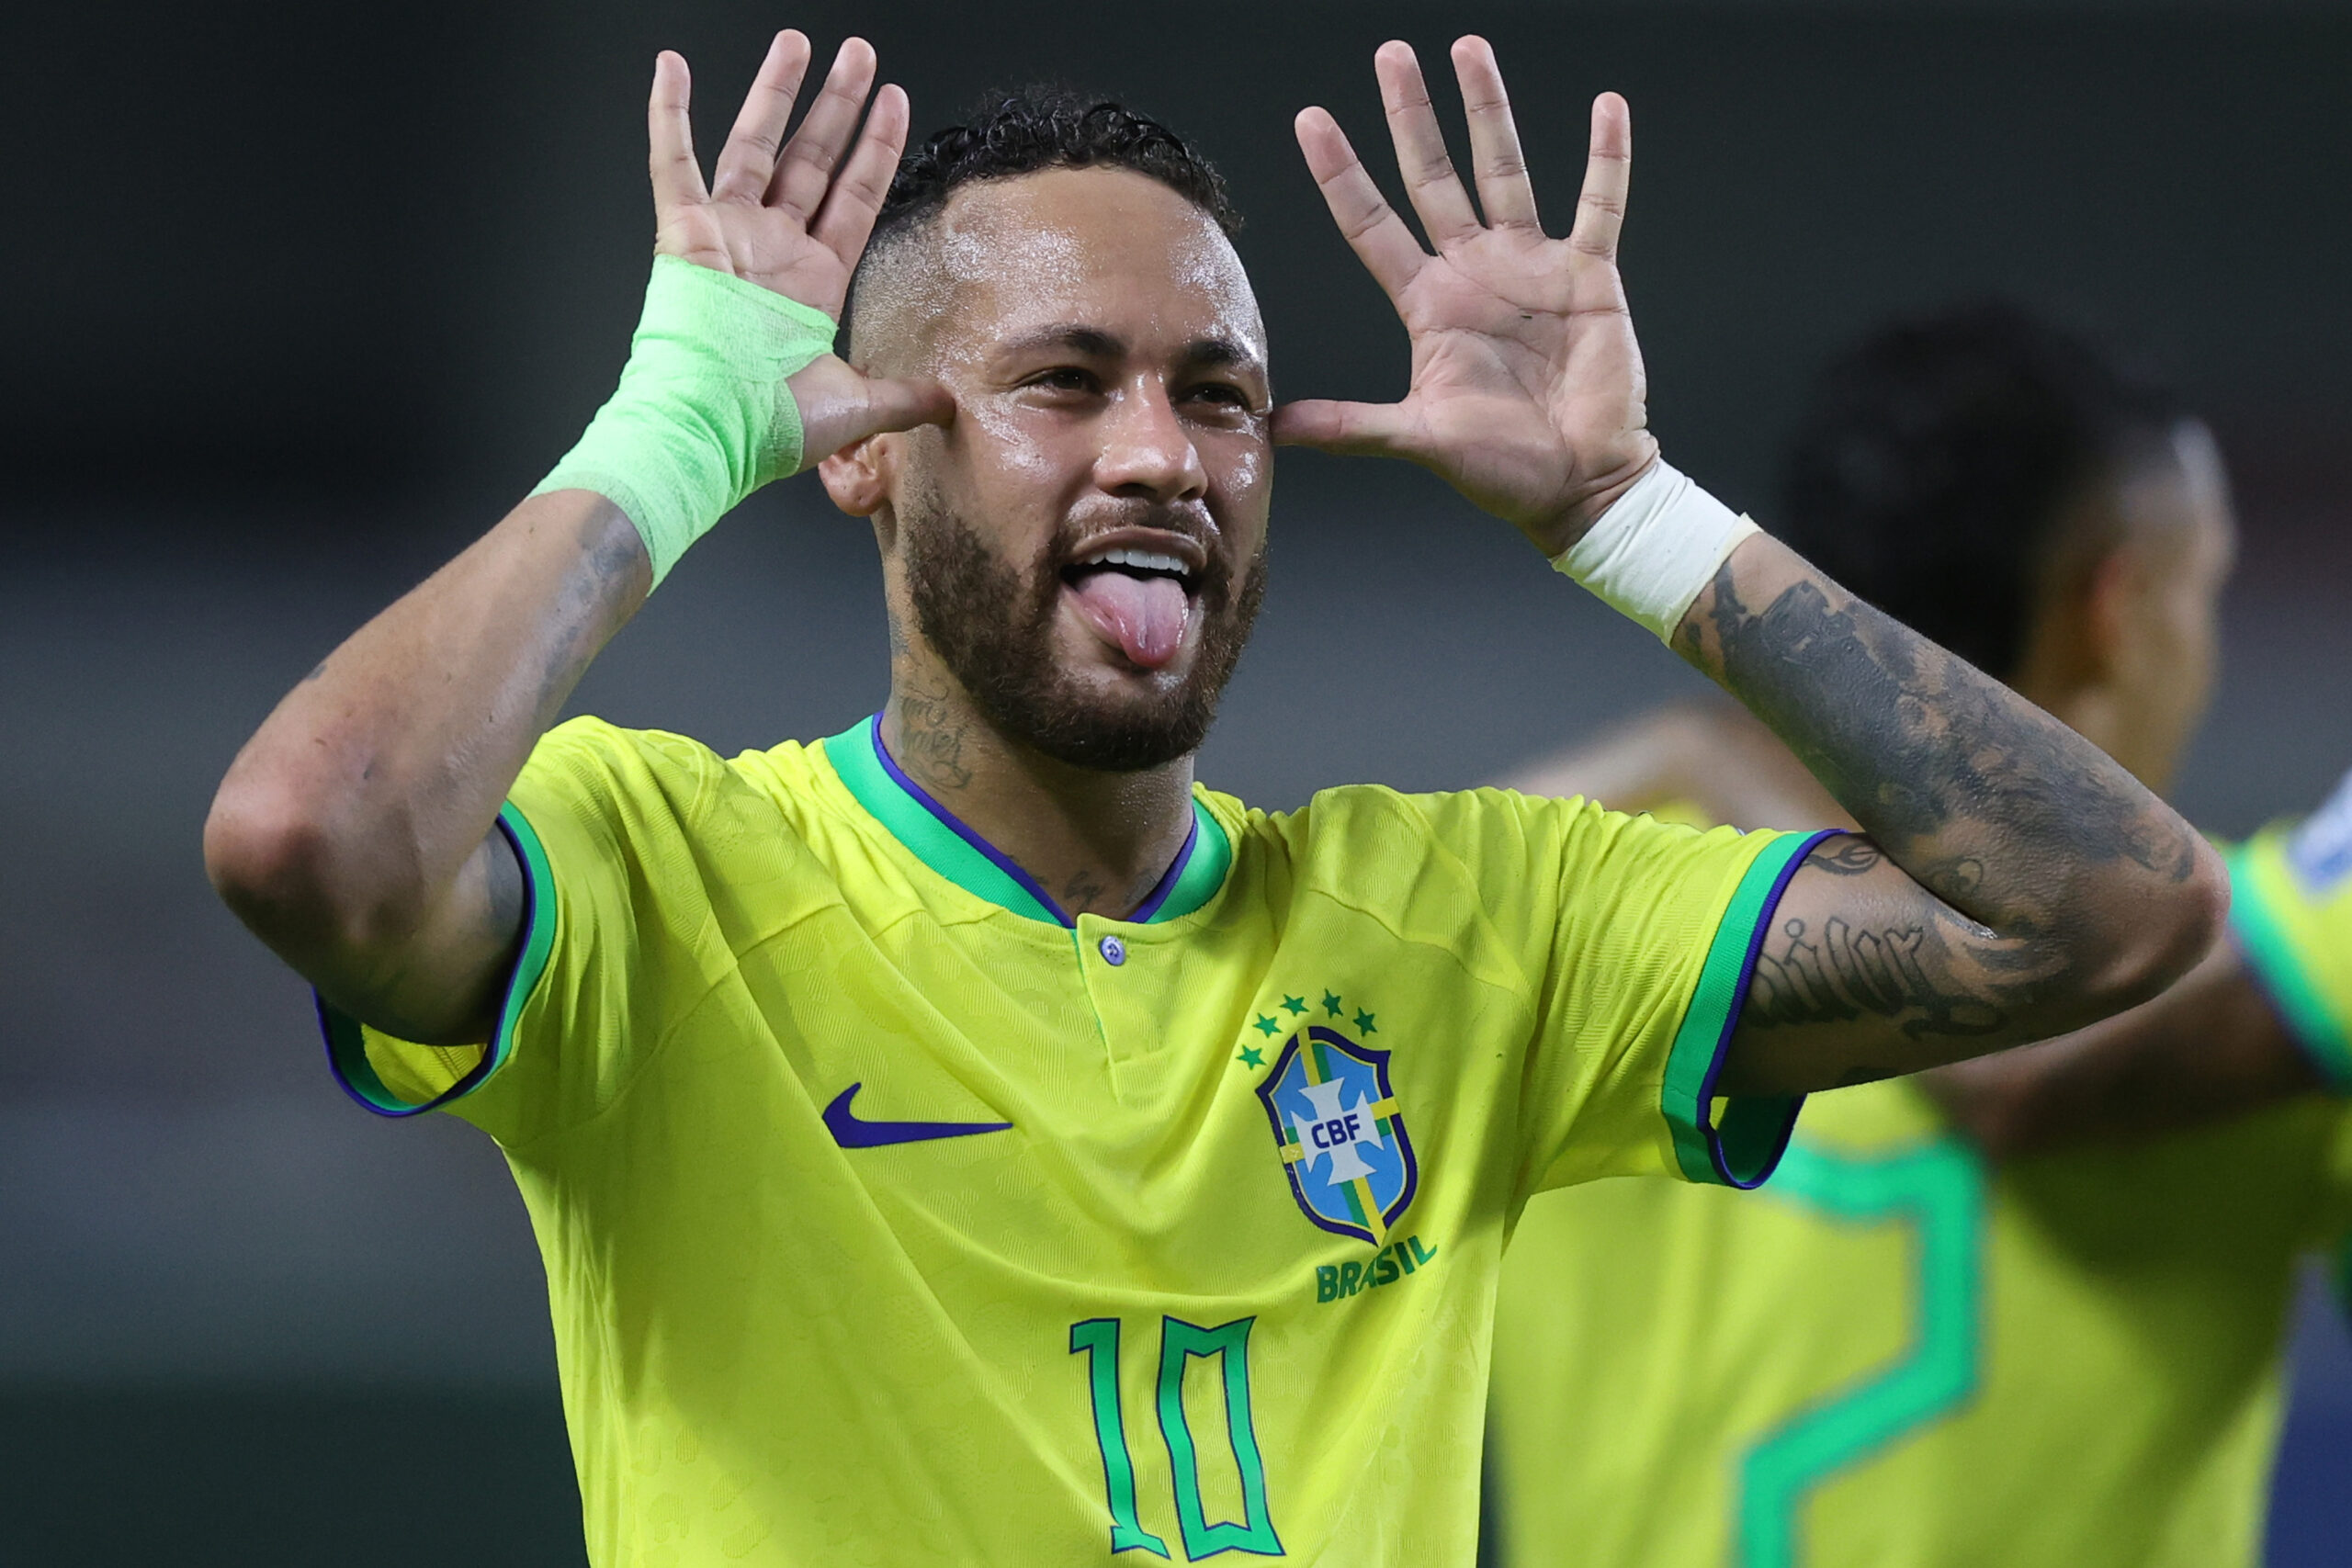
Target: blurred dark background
{"x": 296, "y": 299}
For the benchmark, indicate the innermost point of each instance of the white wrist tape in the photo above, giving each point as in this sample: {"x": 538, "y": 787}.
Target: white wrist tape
{"x": 1654, "y": 549}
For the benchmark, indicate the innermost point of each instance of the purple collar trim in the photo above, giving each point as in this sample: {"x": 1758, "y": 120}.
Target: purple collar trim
{"x": 1005, "y": 863}
{"x": 1167, "y": 884}
{"x": 957, "y": 826}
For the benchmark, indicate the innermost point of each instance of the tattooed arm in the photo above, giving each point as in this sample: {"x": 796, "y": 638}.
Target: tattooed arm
{"x": 2211, "y": 1047}
{"x": 2015, "y": 882}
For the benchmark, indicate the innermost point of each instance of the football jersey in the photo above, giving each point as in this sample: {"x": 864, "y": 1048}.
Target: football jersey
{"x": 2291, "y": 910}
{"x": 892, "y": 1216}
{"x": 1899, "y": 1355}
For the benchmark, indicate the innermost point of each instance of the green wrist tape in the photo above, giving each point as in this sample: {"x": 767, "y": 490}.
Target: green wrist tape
{"x": 701, "y": 417}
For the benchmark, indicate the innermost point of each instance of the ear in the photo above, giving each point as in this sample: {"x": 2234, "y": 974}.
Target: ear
{"x": 2115, "y": 612}
{"x": 858, "y": 476}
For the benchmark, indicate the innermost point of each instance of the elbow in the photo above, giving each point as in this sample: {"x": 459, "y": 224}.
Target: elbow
{"x": 266, "y": 854}
{"x": 279, "y": 860}
{"x": 2162, "y": 930}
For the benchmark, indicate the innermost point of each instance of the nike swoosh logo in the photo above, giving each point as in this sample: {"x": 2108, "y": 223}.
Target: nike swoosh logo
{"x": 851, "y": 1133}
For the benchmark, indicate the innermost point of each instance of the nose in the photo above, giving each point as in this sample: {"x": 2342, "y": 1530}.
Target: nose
{"x": 1147, "y": 452}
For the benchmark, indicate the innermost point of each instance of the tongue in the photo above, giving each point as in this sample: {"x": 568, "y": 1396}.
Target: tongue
{"x": 1145, "y": 615}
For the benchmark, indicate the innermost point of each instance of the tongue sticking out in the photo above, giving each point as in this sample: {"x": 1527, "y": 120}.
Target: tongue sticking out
{"x": 1145, "y": 615}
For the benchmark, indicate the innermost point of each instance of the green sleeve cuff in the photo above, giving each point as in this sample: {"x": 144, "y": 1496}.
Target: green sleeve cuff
{"x": 2281, "y": 973}
{"x": 347, "y": 1038}
{"x": 1742, "y": 1149}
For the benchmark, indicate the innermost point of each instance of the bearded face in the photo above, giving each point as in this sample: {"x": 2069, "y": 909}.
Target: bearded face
{"x": 1082, "y": 545}
{"x": 992, "y": 622}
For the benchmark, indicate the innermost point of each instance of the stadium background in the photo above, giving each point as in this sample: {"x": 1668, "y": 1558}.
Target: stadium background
{"x": 296, "y": 299}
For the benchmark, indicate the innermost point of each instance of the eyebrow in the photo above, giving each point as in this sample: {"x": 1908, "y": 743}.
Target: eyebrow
{"x": 1222, "y": 352}
{"x": 1096, "y": 344}
{"x": 1093, "y": 341}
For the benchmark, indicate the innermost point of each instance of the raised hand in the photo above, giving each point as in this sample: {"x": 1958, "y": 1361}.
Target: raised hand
{"x": 793, "y": 214}
{"x": 1527, "y": 392}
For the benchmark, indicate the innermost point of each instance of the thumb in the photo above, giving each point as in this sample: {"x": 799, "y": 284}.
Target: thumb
{"x": 839, "y": 406}
{"x": 1356, "y": 430}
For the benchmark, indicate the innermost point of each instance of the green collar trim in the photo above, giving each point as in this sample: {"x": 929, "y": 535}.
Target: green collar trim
{"x": 1199, "y": 870}
{"x": 942, "y": 841}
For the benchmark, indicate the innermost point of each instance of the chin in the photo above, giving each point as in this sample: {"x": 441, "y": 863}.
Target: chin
{"x": 1108, "y": 720}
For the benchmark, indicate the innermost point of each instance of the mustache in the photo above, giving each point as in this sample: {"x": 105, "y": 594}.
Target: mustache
{"x": 1191, "y": 522}
{"x": 1213, "y": 586}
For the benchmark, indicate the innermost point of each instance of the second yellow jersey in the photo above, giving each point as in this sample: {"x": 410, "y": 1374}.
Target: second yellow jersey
{"x": 891, "y": 1216}
{"x": 1894, "y": 1356}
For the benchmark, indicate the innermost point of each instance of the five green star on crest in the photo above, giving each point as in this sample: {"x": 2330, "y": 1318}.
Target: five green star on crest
{"x": 1269, "y": 1024}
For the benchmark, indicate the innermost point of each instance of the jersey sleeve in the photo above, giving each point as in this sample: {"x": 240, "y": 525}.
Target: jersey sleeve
{"x": 1636, "y": 939}
{"x": 613, "y": 924}
{"x": 2290, "y": 915}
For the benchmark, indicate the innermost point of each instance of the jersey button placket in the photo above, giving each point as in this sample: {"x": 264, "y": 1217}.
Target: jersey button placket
{"x": 1107, "y": 957}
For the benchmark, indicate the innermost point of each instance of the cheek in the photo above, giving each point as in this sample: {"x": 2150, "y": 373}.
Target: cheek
{"x": 1241, "y": 472}
{"x": 1017, "y": 457}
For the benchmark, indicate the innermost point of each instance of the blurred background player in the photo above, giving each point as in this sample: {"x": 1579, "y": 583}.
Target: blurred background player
{"x": 1971, "y": 1321}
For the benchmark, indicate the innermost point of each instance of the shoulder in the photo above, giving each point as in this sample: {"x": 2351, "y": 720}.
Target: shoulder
{"x": 1467, "y": 822}
{"x": 1358, "y": 813}
{"x": 662, "y": 800}
{"x": 591, "y": 756}
{"x": 1383, "y": 846}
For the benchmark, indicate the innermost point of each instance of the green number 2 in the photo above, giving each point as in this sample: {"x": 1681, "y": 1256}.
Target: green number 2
{"x": 1938, "y": 1191}
{"x": 1179, "y": 1342}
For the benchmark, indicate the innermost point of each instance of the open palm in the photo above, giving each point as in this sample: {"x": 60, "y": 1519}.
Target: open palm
{"x": 792, "y": 215}
{"x": 1527, "y": 389}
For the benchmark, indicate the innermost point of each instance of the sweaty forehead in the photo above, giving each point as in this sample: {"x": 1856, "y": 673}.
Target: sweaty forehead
{"x": 1105, "y": 248}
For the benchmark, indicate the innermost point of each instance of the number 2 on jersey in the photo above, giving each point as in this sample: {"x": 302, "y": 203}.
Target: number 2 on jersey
{"x": 1180, "y": 1343}
{"x": 1937, "y": 1192}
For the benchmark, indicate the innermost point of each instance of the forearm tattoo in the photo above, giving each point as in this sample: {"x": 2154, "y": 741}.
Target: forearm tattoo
{"x": 1939, "y": 763}
{"x": 2022, "y": 848}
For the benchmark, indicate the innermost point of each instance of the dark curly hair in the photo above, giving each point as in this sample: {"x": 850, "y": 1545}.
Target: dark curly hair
{"x": 1031, "y": 130}
{"x": 1937, "y": 463}
{"x": 1048, "y": 128}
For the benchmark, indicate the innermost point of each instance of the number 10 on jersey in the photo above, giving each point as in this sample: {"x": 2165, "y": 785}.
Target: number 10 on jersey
{"x": 1097, "y": 1339}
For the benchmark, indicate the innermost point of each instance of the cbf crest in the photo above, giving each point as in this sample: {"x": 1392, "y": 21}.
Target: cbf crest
{"x": 1341, "y": 1133}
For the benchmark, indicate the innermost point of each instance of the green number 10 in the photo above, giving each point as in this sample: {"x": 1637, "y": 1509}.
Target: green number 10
{"x": 1098, "y": 1338}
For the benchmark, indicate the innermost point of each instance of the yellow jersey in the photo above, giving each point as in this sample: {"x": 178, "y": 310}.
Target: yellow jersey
{"x": 1900, "y": 1357}
{"x": 891, "y": 1216}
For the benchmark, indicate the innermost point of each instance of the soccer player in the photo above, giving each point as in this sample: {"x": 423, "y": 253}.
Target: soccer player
{"x": 1910, "y": 1351}
{"x": 964, "y": 1139}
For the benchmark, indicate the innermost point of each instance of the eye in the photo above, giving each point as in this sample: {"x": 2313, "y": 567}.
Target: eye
{"x": 1221, "y": 393}
{"x": 1064, "y": 379}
